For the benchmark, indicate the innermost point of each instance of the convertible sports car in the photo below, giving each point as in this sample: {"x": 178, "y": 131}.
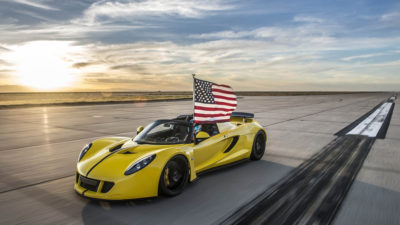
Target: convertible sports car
{"x": 165, "y": 156}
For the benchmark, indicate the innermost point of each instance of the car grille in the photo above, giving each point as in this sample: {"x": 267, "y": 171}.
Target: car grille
{"x": 88, "y": 183}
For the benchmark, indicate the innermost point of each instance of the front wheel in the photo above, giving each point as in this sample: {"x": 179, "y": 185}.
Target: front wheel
{"x": 174, "y": 176}
{"x": 258, "y": 149}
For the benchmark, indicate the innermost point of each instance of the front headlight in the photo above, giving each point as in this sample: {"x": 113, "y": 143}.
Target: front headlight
{"x": 84, "y": 150}
{"x": 139, "y": 165}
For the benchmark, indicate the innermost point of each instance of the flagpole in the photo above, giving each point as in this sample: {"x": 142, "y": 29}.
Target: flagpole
{"x": 193, "y": 93}
{"x": 193, "y": 134}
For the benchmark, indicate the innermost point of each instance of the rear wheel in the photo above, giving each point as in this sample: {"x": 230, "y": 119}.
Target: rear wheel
{"x": 258, "y": 146}
{"x": 174, "y": 176}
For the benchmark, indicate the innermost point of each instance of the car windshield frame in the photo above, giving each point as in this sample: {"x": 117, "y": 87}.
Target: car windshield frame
{"x": 144, "y": 136}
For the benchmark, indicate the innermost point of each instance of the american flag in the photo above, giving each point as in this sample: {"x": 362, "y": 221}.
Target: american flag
{"x": 213, "y": 103}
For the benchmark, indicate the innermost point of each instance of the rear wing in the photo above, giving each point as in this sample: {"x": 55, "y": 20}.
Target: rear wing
{"x": 235, "y": 117}
{"x": 242, "y": 117}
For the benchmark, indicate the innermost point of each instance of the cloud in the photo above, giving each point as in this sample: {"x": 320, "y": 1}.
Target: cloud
{"x": 223, "y": 34}
{"x": 265, "y": 66}
{"x": 307, "y": 19}
{"x": 14, "y": 34}
{"x": 362, "y": 56}
{"x": 304, "y": 37}
{"x": 130, "y": 67}
{"x": 3, "y": 49}
{"x": 34, "y": 15}
{"x": 307, "y": 33}
{"x": 146, "y": 66}
{"x": 213, "y": 59}
{"x": 392, "y": 18}
{"x": 111, "y": 80}
{"x": 79, "y": 65}
{"x": 135, "y": 9}
{"x": 35, "y": 4}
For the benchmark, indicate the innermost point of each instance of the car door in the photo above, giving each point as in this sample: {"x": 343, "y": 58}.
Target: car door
{"x": 209, "y": 151}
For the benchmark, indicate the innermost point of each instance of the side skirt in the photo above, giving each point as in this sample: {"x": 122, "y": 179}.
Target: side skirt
{"x": 222, "y": 167}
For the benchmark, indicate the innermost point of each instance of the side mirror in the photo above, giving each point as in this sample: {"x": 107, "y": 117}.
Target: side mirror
{"x": 139, "y": 129}
{"x": 202, "y": 135}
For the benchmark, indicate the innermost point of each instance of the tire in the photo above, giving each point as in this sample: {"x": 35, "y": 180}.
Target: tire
{"x": 174, "y": 176}
{"x": 258, "y": 149}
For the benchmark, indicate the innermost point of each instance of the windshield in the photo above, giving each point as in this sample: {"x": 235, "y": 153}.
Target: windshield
{"x": 165, "y": 132}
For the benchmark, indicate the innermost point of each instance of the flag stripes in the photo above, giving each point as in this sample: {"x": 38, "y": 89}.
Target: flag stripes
{"x": 224, "y": 97}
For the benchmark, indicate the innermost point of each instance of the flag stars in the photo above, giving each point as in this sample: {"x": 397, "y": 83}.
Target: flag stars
{"x": 203, "y": 92}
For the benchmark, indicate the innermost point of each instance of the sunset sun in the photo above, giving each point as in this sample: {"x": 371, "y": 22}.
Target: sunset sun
{"x": 43, "y": 65}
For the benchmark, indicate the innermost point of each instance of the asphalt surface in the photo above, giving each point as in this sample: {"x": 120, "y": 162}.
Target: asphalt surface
{"x": 39, "y": 147}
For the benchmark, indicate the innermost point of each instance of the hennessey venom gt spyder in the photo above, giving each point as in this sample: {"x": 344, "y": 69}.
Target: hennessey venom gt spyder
{"x": 165, "y": 156}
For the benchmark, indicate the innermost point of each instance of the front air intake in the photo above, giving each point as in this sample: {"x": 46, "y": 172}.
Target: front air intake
{"x": 107, "y": 186}
{"x": 89, "y": 184}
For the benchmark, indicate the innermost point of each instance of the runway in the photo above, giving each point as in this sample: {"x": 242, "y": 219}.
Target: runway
{"x": 39, "y": 147}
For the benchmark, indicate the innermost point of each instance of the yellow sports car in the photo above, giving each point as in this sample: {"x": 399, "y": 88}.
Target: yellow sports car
{"x": 165, "y": 156}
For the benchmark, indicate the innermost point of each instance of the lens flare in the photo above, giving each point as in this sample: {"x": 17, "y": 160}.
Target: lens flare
{"x": 44, "y": 65}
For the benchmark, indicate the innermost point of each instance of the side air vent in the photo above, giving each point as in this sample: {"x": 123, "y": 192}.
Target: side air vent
{"x": 116, "y": 147}
{"x": 233, "y": 143}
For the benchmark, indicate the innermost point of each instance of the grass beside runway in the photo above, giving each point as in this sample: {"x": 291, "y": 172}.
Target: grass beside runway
{"x": 28, "y": 99}
{"x": 12, "y": 100}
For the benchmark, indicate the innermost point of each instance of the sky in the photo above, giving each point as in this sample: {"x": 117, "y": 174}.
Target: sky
{"x": 155, "y": 45}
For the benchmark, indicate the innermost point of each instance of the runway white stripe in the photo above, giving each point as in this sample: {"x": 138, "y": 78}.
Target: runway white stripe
{"x": 373, "y": 123}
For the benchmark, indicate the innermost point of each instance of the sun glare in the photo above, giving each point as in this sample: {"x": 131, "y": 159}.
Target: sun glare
{"x": 42, "y": 65}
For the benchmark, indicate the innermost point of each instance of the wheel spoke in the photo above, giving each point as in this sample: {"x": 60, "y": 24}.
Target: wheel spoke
{"x": 166, "y": 177}
{"x": 177, "y": 175}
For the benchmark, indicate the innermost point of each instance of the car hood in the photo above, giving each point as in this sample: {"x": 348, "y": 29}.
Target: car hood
{"x": 110, "y": 160}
